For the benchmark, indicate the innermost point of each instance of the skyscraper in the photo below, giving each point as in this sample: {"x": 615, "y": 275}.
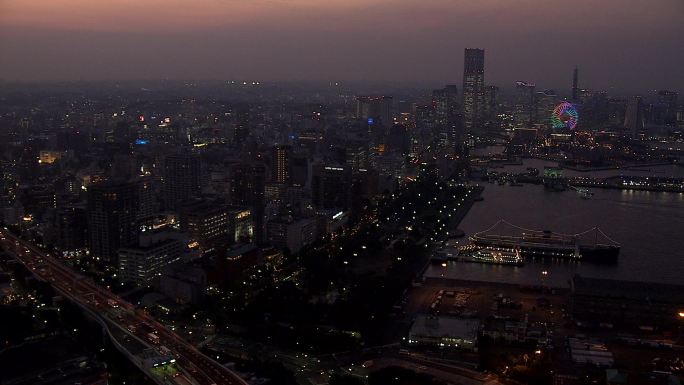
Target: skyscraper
{"x": 181, "y": 179}
{"x": 241, "y": 123}
{"x": 473, "y": 89}
{"x": 524, "y": 103}
{"x": 575, "y": 85}
{"x": 330, "y": 186}
{"x": 491, "y": 104}
{"x": 544, "y": 103}
{"x": 376, "y": 109}
{"x": 247, "y": 188}
{"x": 667, "y": 106}
{"x": 634, "y": 117}
{"x": 112, "y": 210}
{"x": 281, "y": 164}
{"x": 445, "y": 103}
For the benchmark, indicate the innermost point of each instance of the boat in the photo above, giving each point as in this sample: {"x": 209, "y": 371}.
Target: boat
{"x": 494, "y": 256}
{"x": 592, "y": 245}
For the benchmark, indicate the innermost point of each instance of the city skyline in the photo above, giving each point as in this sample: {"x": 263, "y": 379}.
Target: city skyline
{"x": 627, "y": 48}
{"x": 296, "y": 192}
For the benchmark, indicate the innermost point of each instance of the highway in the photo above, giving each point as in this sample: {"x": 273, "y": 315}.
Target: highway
{"x": 119, "y": 313}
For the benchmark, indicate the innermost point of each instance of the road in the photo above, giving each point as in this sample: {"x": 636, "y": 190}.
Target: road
{"x": 115, "y": 311}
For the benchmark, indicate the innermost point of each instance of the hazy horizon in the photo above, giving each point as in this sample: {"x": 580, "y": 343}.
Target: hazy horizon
{"x": 628, "y": 48}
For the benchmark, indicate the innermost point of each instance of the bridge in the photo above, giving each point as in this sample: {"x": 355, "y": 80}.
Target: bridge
{"x": 131, "y": 330}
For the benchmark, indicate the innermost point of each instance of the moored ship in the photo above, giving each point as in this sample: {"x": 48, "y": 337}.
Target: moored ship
{"x": 592, "y": 245}
{"x": 494, "y": 256}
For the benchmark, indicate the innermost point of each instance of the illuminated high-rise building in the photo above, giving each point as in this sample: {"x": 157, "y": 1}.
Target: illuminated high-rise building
{"x": 247, "y": 188}
{"x": 473, "y": 89}
{"x": 281, "y": 164}
{"x": 491, "y": 105}
{"x": 447, "y": 113}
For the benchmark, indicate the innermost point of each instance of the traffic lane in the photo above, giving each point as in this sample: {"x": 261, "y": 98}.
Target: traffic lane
{"x": 223, "y": 374}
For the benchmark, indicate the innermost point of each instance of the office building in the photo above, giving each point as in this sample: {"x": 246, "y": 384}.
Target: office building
{"x": 667, "y": 106}
{"x": 207, "y": 225}
{"x": 634, "y": 117}
{"x": 182, "y": 178}
{"x": 72, "y": 229}
{"x": 447, "y": 113}
{"x": 141, "y": 264}
{"x": 241, "y": 124}
{"x": 211, "y": 224}
{"x": 545, "y": 102}
{"x": 356, "y": 155}
{"x": 330, "y": 186}
{"x": 184, "y": 284}
{"x": 491, "y": 103}
{"x": 375, "y": 110}
{"x": 473, "y": 89}
{"x": 299, "y": 170}
{"x": 112, "y": 218}
{"x": 291, "y": 234}
{"x": 523, "y": 110}
{"x": 281, "y": 169}
{"x": 247, "y": 188}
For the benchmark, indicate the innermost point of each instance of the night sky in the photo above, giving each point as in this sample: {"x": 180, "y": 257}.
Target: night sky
{"x": 627, "y": 44}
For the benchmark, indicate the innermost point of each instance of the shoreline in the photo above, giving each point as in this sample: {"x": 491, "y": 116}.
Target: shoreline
{"x": 462, "y": 212}
{"x": 604, "y": 168}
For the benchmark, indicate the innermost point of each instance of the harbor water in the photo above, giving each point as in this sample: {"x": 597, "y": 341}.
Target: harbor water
{"x": 648, "y": 225}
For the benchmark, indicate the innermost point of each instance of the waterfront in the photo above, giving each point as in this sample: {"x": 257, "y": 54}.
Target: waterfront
{"x": 648, "y": 225}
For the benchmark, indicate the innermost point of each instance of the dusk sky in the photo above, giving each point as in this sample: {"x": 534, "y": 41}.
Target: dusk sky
{"x": 626, "y": 44}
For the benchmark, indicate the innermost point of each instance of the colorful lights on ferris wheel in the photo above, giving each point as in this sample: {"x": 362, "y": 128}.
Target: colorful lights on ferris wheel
{"x": 564, "y": 116}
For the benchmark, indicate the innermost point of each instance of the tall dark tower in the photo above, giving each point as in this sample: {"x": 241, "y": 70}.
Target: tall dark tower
{"x": 575, "y": 89}
{"x": 247, "y": 189}
{"x": 473, "y": 89}
{"x": 182, "y": 179}
{"x": 634, "y": 116}
{"x": 111, "y": 210}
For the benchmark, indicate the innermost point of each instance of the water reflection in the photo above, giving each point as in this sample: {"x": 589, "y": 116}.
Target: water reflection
{"x": 648, "y": 225}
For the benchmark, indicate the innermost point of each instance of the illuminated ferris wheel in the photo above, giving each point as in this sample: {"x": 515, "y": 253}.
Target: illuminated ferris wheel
{"x": 565, "y": 116}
